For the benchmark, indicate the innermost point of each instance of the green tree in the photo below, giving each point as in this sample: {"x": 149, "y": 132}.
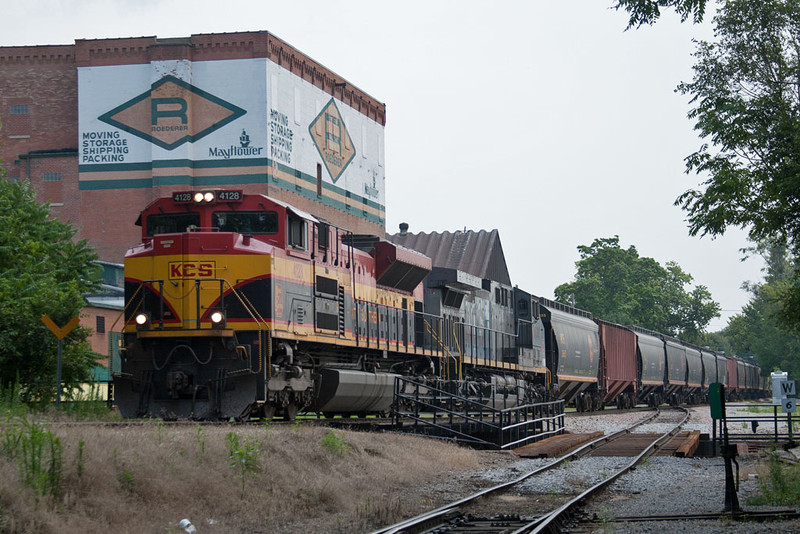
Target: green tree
{"x": 755, "y": 331}
{"x": 745, "y": 95}
{"x": 45, "y": 272}
{"x": 648, "y": 11}
{"x": 620, "y": 286}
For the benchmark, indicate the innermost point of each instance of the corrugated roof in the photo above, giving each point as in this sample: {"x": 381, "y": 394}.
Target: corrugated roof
{"x": 478, "y": 253}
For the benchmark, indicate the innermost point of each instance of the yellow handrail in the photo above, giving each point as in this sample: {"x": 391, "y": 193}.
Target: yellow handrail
{"x": 460, "y": 362}
{"x": 262, "y": 323}
{"x": 436, "y": 337}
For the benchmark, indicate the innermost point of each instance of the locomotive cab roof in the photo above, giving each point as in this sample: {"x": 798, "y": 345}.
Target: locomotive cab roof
{"x": 217, "y": 210}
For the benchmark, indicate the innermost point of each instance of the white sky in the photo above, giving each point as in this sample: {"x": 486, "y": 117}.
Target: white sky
{"x": 543, "y": 119}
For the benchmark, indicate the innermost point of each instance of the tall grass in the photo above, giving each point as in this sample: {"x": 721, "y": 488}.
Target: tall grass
{"x": 781, "y": 486}
{"x": 79, "y": 405}
{"x": 38, "y": 453}
{"x": 87, "y": 405}
{"x": 11, "y": 404}
{"x": 146, "y": 477}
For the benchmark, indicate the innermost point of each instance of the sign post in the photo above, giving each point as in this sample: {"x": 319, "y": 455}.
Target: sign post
{"x": 789, "y": 406}
{"x": 716, "y": 400}
{"x": 60, "y": 333}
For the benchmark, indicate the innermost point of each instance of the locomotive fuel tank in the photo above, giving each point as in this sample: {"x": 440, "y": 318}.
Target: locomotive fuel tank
{"x": 345, "y": 391}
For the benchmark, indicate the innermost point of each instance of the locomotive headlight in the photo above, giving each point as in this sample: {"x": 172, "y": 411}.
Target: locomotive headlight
{"x": 142, "y": 320}
{"x": 217, "y": 319}
{"x": 198, "y": 197}
{"x": 208, "y": 197}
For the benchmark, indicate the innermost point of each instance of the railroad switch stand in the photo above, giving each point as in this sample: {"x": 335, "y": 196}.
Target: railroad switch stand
{"x": 716, "y": 399}
{"x": 729, "y": 453}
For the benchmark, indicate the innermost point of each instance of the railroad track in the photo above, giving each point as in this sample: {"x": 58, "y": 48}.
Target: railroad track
{"x": 592, "y": 525}
{"x": 510, "y": 514}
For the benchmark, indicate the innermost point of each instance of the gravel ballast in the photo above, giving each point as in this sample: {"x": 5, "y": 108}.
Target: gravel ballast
{"x": 662, "y": 485}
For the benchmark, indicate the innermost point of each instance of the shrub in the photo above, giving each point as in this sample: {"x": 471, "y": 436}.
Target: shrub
{"x": 782, "y": 485}
{"x": 243, "y": 457}
{"x": 335, "y": 443}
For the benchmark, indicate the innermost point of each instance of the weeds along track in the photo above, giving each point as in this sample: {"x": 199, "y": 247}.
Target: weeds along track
{"x": 542, "y": 500}
{"x": 362, "y": 424}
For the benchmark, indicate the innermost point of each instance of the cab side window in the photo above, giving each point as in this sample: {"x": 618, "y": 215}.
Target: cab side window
{"x": 297, "y": 233}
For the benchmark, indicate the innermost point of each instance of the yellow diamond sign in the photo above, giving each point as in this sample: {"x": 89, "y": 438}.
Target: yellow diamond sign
{"x": 330, "y": 136}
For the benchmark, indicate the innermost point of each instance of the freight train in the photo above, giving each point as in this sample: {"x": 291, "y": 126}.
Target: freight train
{"x": 240, "y": 305}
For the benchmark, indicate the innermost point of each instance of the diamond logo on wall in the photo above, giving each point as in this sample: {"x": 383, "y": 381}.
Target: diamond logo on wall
{"x": 172, "y": 113}
{"x": 331, "y": 138}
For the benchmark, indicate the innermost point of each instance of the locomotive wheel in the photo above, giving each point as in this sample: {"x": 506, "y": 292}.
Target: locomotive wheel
{"x": 269, "y": 411}
{"x": 291, "y": 412}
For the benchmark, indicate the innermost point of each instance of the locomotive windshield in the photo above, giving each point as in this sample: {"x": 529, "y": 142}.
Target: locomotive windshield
{"x": 246, "y": 222}
{"x": 170, "y": 223}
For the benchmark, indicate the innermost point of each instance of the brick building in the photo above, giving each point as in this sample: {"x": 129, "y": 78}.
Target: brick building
{"x": 101, "y": 128}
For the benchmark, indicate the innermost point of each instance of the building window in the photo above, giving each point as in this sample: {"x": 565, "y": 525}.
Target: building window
{"x": 51, "y": 176}
{"x": 101, "y": 325}
{"x": 19, "y": 110}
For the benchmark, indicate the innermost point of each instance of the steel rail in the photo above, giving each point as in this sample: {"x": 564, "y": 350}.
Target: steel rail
{"x": 548, "y": 523}
{"x": 757, "y": 515}
{"x": 433, "y": 515}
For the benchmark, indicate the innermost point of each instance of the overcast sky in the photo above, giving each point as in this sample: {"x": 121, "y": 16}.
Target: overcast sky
{"x": 544, "y": 120}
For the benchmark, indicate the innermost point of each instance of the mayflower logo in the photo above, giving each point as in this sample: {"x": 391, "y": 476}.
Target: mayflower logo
{"x": 332, "y": 140}
{"x": 244, "y": 150}
{"x": 172, "y": 113}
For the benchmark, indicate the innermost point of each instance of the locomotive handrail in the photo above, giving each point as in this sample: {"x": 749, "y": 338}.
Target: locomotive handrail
{"x": 179, "y": 297}
{"x": 124, "y": 324}
{"x": 125, "y": 308}
{"x": 397, "y": 310}
{"x": 259, "y": 320}
{"x": 460, "y": 361}
{"x": 438, "y": 338}
{"x": 423, "y": 317}
{"x": 476, "y": 331}
{"x": 262, "y": 324}
{"x": 486, "y": 424}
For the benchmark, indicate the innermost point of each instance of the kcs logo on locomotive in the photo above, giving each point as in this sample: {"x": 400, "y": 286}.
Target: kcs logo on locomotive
{"x": 191, "y": 269}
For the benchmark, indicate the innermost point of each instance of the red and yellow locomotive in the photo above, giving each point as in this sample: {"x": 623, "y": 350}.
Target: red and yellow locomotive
{"x": 242, "y": 305}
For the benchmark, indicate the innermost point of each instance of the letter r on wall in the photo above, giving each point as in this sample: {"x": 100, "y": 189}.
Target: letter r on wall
{"x": 165, "y": 107}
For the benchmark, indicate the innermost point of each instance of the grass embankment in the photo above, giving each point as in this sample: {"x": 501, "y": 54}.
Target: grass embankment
{"x": 146, "y": 477}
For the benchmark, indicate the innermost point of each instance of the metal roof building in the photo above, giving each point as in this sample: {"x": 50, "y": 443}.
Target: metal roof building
{"x": 478, "y": 253}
